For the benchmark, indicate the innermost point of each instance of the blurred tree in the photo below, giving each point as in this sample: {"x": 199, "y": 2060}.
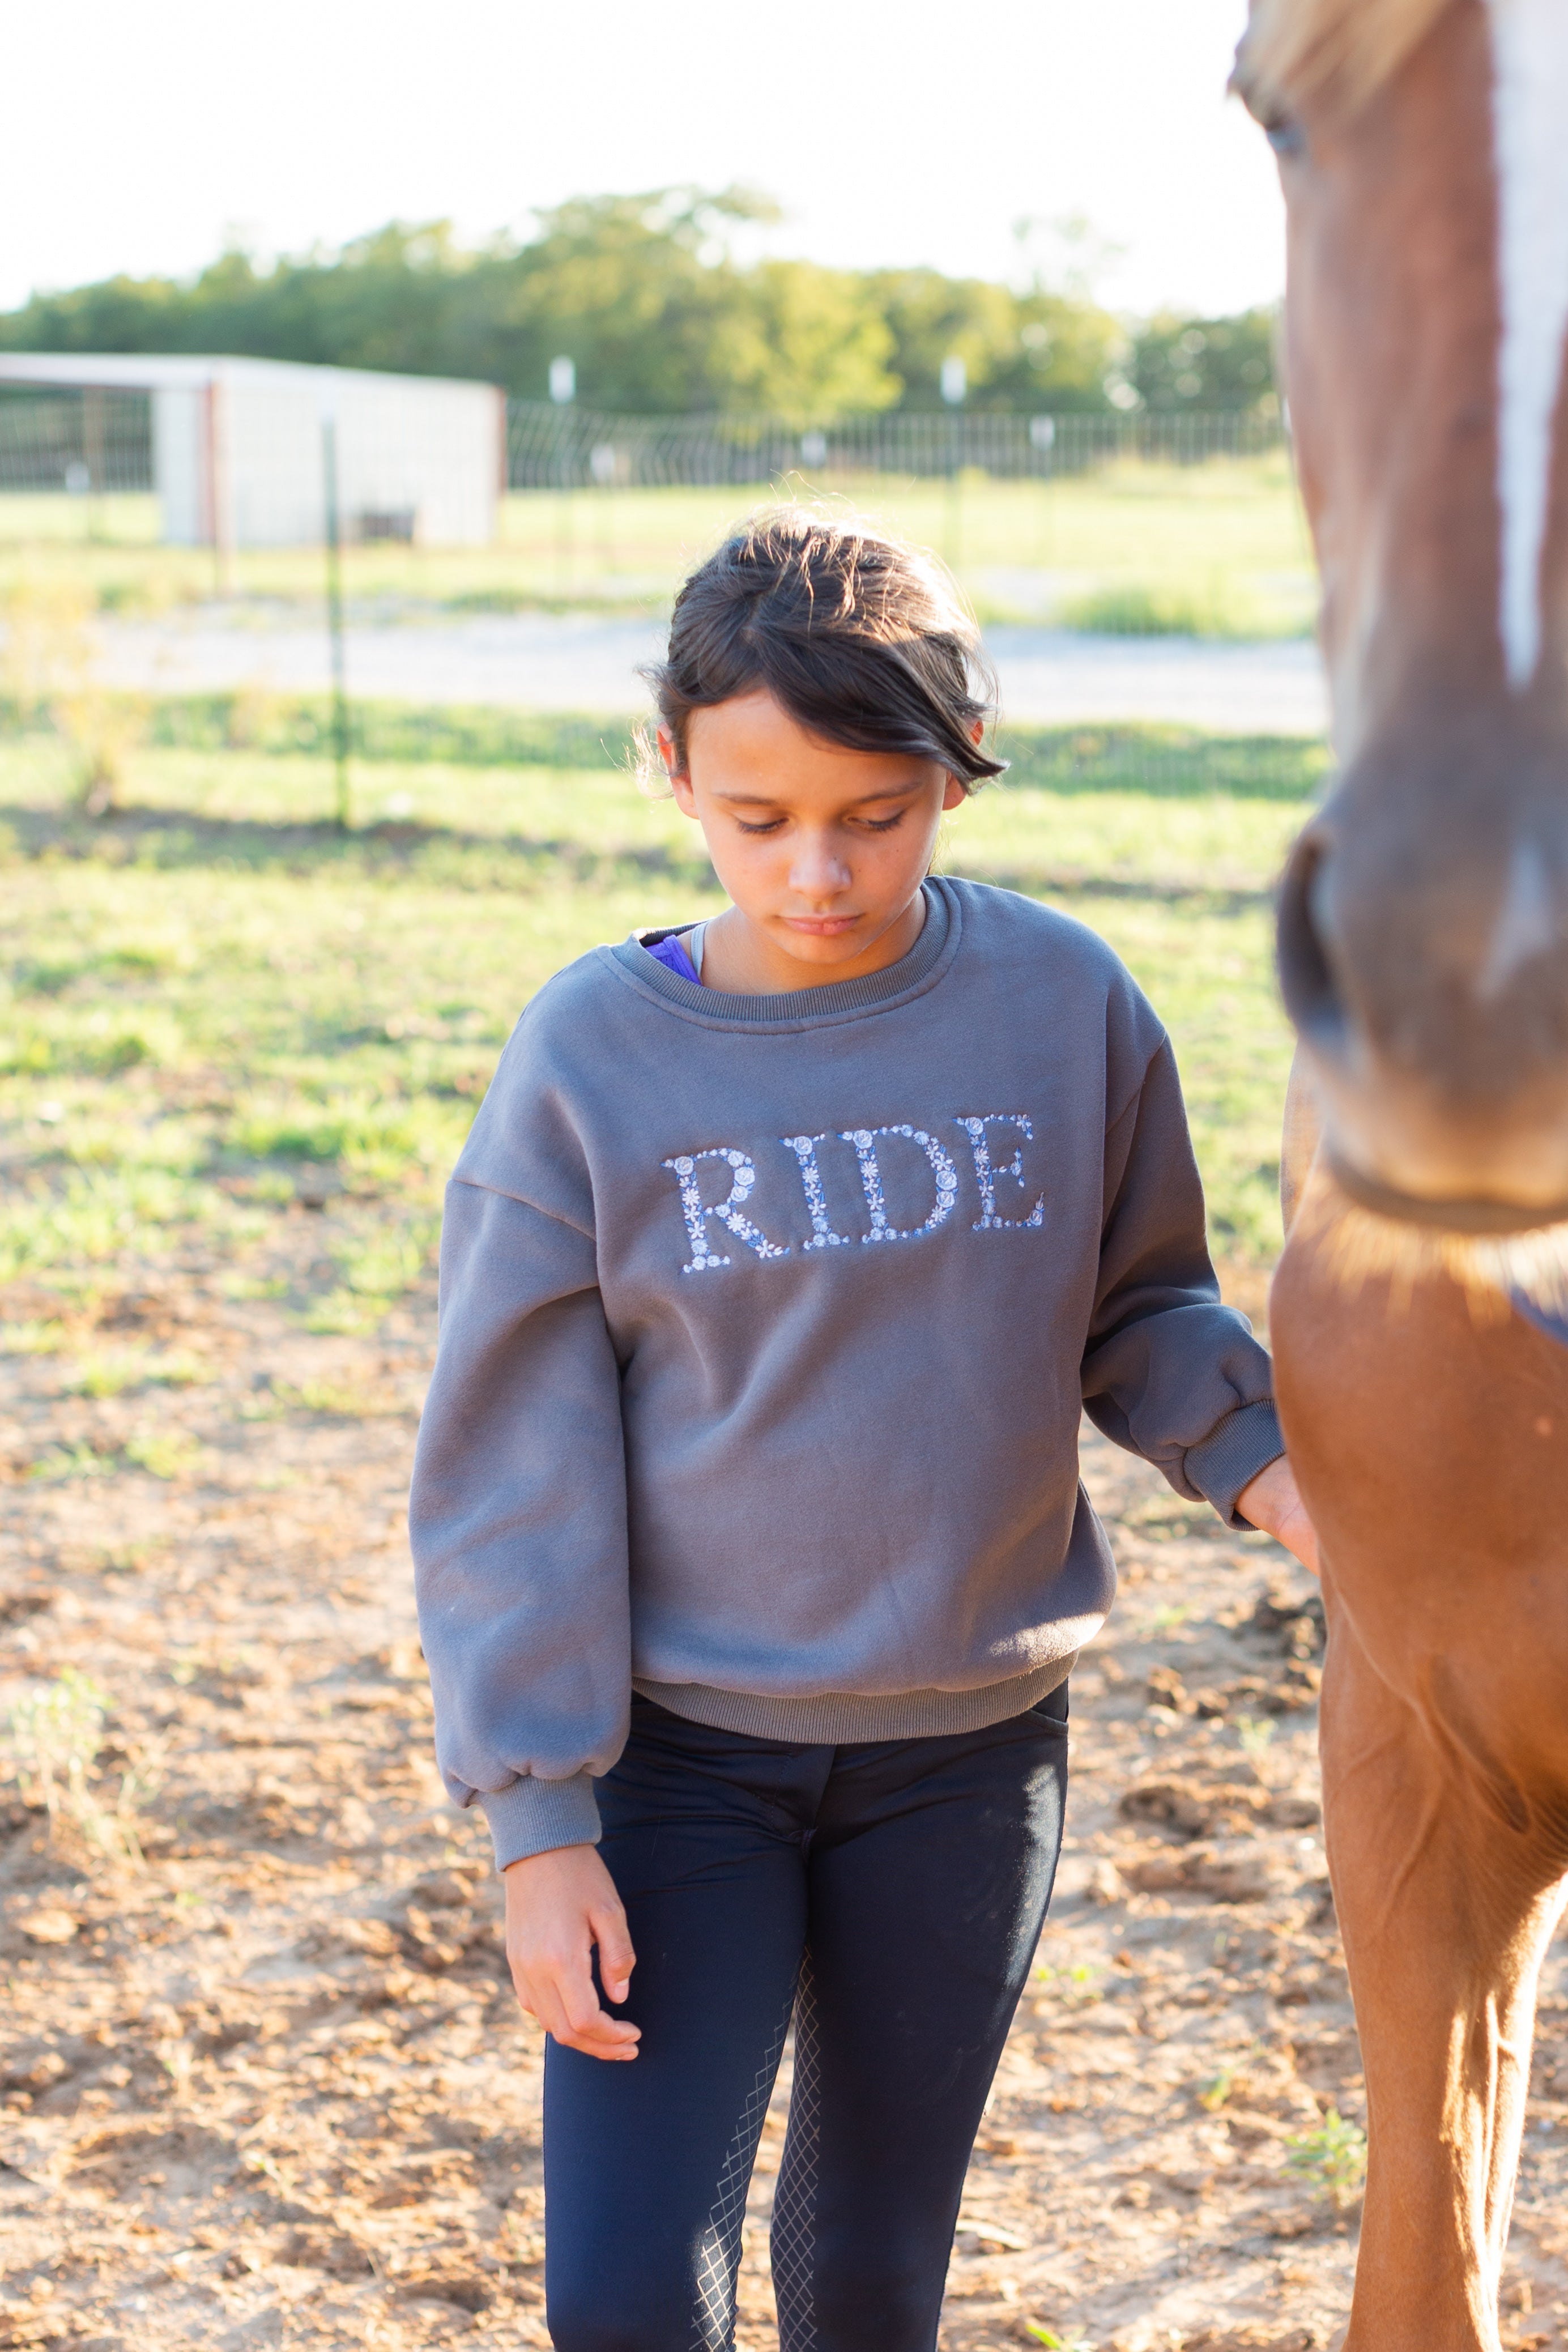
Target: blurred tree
{"x": 640, "y": 291}
{"x": 1066, "y": 355}
{"x": 1205, "y": 363}
{"x": 645, "y": 294}
{"x": 1021, "y": 351}
{"x": 827, "y": 351}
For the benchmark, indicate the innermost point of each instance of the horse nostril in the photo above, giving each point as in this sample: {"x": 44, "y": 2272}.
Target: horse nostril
{"x": 1305, "y": 973}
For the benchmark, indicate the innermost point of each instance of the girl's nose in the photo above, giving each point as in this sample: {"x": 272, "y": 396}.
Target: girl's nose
{"x": 817, "y": 870}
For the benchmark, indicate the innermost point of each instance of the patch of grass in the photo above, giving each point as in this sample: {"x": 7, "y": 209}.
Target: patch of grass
{"x": 106, "y": 1376}
{"x": 92, "y": 1218}
{"x": 1333, "y": 2158}
{"x": 55, "y": 1736}
{"x": 1168, "y": 762}
{"x": 386, "y": 1261}
{"x": 1076, "y": 1988}
{"x": 171, "y": 1454}
{"x": 336, "y": 1128}
{"x": 1170, "y": 608}
{"x": 79, "y": 1460}
{"x": 340, "y": 1403}
{"x": 1214, "y": 2092}
{"x": 249, "y": 1285}
{"x": 346, "y": 1314}
{"x": 111, "y": 1375}
{"x": 165, "y": 1454}
{"x": 31, "y": 1338}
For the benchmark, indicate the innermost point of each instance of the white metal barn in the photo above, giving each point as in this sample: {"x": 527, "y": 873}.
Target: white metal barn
{"x": 238, "y": 446}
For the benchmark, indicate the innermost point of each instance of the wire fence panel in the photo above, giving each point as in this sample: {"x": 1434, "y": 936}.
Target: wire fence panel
{"x": 87, "y": 443}
{"x": 573, "y": 449}
{"x": 91, "y": 442}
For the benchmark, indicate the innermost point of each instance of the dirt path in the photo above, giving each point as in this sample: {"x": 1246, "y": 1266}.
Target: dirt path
{"x": 272, "y": 2089}
{"x": 588, "y": 661}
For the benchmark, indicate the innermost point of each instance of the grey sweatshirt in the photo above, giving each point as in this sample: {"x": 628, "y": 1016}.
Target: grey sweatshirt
{"x": 765, "y": 1326}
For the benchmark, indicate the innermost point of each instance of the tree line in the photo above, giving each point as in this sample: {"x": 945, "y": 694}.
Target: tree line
{"x": 647, "y": 296}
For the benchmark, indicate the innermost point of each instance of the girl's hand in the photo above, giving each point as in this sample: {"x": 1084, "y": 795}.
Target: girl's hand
{"x": 559, "y": 1905}
{"x": 1273, "y": 1502}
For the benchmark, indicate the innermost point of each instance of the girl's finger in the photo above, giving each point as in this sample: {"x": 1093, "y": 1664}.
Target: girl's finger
{"x": 578, "y": 1999}
{"x": 609, "y": 2054}
{"x": 596, "y": 2036}
{"x": 616, "y": 1957}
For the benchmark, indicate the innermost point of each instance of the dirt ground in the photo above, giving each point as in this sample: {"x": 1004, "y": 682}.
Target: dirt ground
{"x": 271, "y": 2086}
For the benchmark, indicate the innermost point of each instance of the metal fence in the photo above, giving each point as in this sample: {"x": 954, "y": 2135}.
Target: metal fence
{"x": 574, "y": 448}
{"x": 93, "y": 442}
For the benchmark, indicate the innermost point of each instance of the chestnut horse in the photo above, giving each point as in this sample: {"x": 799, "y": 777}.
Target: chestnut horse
{"x": 1424, "y": 955}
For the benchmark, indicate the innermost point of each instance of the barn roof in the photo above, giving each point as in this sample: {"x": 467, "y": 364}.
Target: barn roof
{"x": 174, "y": 371}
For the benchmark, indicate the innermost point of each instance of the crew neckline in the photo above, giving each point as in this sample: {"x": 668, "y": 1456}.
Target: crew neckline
{"x": 925, "y": 961}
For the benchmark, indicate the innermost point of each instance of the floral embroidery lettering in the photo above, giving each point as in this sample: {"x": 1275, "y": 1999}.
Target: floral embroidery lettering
{"x": 864, "y": 1139}
{"x": 822, "y": 1233}
{"x": 728, "y": 1212}
{"x": 985, "y": 1173}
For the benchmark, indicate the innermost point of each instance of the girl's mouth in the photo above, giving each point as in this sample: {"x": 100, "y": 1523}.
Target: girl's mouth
{"x": 820, "y": 927}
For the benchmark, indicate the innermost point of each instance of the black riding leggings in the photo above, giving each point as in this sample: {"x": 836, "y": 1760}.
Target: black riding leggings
{"x": 888, "y": 1895}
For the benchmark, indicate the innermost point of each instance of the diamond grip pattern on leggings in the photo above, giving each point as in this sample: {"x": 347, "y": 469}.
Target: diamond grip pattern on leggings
{"x": 719, "y": 2251}
{"x": 794, "y": 2200}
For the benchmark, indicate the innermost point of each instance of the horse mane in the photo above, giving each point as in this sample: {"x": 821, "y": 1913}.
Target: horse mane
{"x": 1296, "y": 49}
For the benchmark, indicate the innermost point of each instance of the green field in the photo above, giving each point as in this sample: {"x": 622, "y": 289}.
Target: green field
{"x": 216, "y": 1005}
{"x": 1218, "y": 548}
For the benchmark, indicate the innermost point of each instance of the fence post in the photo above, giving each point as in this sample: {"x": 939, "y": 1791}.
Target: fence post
{"x": 955, "y": 386}
{"x": 335, "y": 615}
{"x": 562, "y": 392}
{"x": 94, "y": 450}
{"x": 222, "y": 480}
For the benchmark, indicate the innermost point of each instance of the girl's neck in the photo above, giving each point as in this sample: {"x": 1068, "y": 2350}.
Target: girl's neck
{"x": 742, "y": 959}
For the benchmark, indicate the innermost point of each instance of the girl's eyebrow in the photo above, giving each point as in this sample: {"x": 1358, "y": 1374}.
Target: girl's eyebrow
{"x": 763, "y": 800}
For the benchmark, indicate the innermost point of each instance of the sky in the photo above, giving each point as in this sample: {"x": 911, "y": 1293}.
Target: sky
{"x": 139, "y": 138}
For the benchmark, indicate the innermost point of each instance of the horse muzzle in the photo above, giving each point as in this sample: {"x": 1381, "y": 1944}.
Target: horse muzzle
{"x": 1428, "y": 980}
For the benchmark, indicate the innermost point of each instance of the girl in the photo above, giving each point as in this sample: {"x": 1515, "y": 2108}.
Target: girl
{"x": 752, "y": 1558}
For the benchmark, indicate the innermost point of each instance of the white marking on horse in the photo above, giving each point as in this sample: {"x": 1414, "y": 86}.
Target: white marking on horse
{"x": 1530, "y": 116}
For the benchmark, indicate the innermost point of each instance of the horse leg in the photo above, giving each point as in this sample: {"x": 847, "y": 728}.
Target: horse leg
{"x": 1445, "y": 1906}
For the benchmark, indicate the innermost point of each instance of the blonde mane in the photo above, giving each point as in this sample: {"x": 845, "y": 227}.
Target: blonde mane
{"x": 1355, "y": 1246}
{"x": 1296, "y": 49}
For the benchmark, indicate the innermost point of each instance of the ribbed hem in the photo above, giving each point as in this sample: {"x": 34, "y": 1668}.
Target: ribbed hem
{"x": 838, "y": 1716}
{"x": 1232, "y": 1455}
{"x": 536, "y": 1816}
{"x": 801, "y": 1006}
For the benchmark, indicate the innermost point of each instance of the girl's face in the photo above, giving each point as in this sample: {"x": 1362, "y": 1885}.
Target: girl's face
{"x": 821, "y": 850}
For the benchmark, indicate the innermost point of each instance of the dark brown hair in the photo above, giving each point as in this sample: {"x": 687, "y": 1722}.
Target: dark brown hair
{"x": 863, "y": 641}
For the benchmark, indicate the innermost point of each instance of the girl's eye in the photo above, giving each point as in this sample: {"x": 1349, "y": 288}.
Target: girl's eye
{"x": 884, "y": 824}
{"x": 772, "y": 825}
{"x": 1285, "y": 135}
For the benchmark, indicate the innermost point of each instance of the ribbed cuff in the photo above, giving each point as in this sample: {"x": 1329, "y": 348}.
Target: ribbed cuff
{"x": 536, "y": 1816}
{"x": 1232, "y": 1455}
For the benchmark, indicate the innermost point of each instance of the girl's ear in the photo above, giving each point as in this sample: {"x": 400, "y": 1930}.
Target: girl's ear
{"x": 956, "y": 792}
{"x": 679, "y": 779}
